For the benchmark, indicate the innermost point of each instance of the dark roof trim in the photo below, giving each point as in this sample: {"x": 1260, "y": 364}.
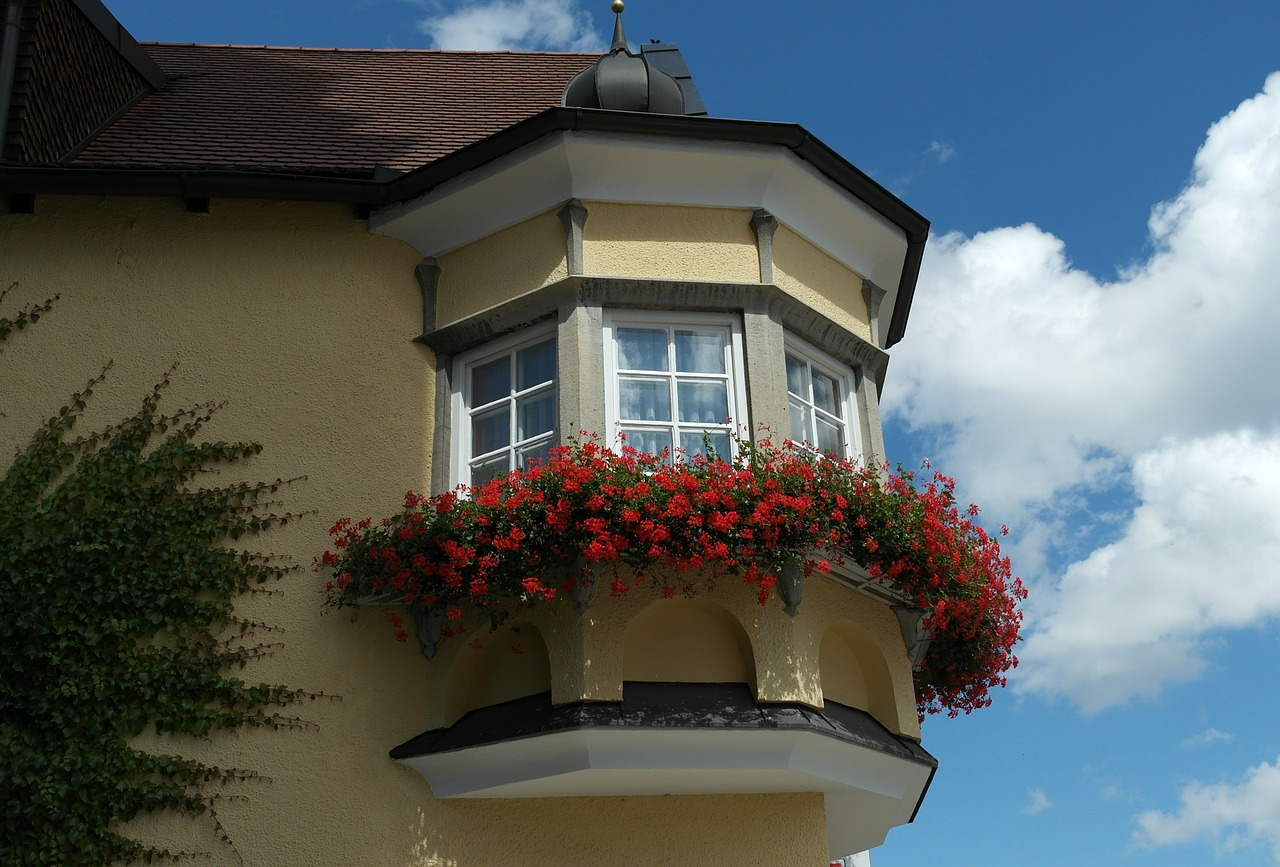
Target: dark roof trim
{"x": 663, "y": 705}
{"x": 187, "y": 183}
{"x": 122, "y": 41}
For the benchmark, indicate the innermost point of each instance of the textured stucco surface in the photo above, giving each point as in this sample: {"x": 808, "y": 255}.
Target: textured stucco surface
{"x": 486, "y": 272}
{"x": 670, "y": 243}
{"x": 301, "y": 321}
{"x": 820, "y": 281}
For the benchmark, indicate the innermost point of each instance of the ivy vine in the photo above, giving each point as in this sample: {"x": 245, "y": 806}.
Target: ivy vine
{"x": 119, "y": 576}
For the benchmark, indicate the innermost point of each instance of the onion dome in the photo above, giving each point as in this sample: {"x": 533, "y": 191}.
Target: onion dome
{"x": 622, "y": 81}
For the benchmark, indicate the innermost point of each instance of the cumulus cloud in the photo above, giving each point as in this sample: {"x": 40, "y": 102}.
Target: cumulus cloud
{"x": 1231, "y": 816}
{"x": 1199, "y": 554}
{"x": 1049, "y": 391}
{"x": 505, "y": 25}
{"x": 1038, "y": 804}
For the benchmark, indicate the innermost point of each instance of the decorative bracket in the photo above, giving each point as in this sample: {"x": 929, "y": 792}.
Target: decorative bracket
{"x": 764, "y": 224}
{"x": 573, "y": 216}
{"x": 428, "y": 274}
{"x": 791, "y": 587}
{"x": 914, "y": 635}
{"x": 430, "y": 626}
{"x": 873, "y": 295}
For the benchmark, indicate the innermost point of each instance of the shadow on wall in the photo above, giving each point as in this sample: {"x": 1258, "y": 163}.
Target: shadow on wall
{"x": 694, "y": 642}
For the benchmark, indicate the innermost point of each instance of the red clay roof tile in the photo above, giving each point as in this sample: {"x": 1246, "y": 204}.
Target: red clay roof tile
{"x": 324, "y": 110}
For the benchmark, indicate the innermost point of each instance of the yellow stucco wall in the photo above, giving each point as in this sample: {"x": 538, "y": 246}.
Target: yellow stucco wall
{"x": 820, "y": 281}
{"x": 669, "y": 243}
{"x": 302, "y": 322}
{"x": 508, "y": 263}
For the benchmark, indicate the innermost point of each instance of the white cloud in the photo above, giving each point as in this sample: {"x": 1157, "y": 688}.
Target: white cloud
{"x": 1038, "y": 804}
{"x": 1046, "y": 388}
{"x": 506, "y": 25}
{"x": 1199, "y": 554}
{"x": 1230, "y": 816}
{"x": 1208, "y": 737}
{"x": 941, "y": 151}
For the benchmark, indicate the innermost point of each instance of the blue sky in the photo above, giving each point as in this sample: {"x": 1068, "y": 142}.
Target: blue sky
{"x": 1091, "y": 352}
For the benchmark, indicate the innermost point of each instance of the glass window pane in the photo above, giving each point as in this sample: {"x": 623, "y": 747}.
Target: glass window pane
{"x": 644, "y": 399}
{"x": 537, "y": 453}
{"x": 642, "y": 349}
{"x": 800, "y": 431}
{"x": 536, "y": 365}
{"x": 826, "y": 393}
{"x": 535, "y": 414}
{"x": 651, "y": 442}
{"x": 697, "y": 443}
{"x": 830, "y": 437}
{"x": 700, "y": 351}
{"x": 490, "y": 381}
{"x": 703, "y": 402}
{"x": 483, "y": 472}
{"x": 491, "y": 430}
{"x": 796, "y": 376}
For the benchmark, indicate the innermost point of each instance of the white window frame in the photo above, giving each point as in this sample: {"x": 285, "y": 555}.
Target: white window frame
{"x": 848, "y": 382}
{"x": 460, "y": 466}
{"x": 735, "y": 367}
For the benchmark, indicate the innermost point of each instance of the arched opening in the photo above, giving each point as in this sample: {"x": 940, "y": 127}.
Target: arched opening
{"x": 683, "y": 641}
{"x": 498, "y": 666}
{"x": 854, "y": 672}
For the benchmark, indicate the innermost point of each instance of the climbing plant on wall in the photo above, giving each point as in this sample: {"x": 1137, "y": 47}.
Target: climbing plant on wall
{"x": 118, "y": 577}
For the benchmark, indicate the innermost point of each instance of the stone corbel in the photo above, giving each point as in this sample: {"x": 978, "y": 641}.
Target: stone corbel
{"x": 764, "y": 224}
{"x": 429, "y": 627}
{"x": 573, "y": 216}
{"x": 428, "y": 274}
{"x": 873, "y": 295}
{"x": 914, "y": 635}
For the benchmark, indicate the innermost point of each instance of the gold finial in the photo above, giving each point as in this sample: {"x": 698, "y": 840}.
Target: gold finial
{"x": 617, "y": 6}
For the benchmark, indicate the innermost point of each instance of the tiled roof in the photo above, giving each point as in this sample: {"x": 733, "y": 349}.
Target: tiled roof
{"x": 330, "y": 111}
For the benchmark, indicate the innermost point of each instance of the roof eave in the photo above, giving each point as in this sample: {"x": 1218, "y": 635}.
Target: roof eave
{"x": 196, "y": 183}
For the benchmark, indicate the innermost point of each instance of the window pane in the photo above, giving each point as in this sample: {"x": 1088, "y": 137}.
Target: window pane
{"x": 796, "y": 376}
{"x": 535, "y": 414}
{"x": 642, "y": 349}
{"x": 490, "y": 381}
{"x": 644, "y": 400}
{"x": 703, "y": 402}
{"x": 826, "y": 393}
{"x": 491, "y": 430}
{"x": 697, "y": 443}
{"x": 830, "y": 437}
{"x": 700, "y": 351}
{"x": 536, "y": 453}
{"x": 651, "y": 442}
{"x": 536, "y": 365}
{"x": 483, "y": 472}
{"x": 800, "y": 431}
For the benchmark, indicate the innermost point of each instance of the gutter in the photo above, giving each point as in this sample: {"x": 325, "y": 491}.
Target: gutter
{"x": 369, "y": 192}
{"x": 8, "y": 64}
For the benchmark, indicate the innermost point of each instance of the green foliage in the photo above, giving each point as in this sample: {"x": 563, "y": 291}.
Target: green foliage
{"x": 118, "y": 583}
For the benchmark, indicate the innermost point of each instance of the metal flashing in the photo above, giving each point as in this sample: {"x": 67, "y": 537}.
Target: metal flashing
{"x": 122, "y": 40}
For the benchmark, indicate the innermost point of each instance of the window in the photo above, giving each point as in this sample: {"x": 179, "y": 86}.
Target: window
{"x": 504, "y": 406}
{"x": 674, "y": 381}
{"x": 820, "y": 392}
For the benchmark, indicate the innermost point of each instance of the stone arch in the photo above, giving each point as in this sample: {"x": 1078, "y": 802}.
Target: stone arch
{"x": 854, "y": 671}
{"x": 511, "y": 662}
{"x": 687, "y": 641}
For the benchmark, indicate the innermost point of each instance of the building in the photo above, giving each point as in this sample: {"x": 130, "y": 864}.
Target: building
{"x": 343, "y": 245}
